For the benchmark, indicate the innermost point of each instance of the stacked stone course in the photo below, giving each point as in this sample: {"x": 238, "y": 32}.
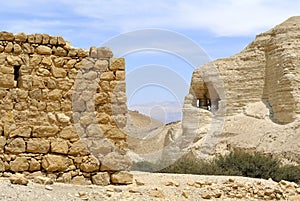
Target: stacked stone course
{"x": 50, "y": 120}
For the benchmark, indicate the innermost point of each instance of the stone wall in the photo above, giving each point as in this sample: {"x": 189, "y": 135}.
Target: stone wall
{"x": 61, "y": 109}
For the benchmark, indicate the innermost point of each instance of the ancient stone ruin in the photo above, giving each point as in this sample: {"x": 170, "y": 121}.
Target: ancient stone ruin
{"x": 61, "y": 110}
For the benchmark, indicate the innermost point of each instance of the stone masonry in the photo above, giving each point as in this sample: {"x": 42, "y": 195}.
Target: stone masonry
{"x": 62, "y": 110}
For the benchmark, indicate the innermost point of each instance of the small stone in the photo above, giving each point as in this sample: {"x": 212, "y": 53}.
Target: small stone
{"x": 185, "y": 194}
{"x": 49, "y": 188}
{"x": 42, "y": 49}
{"x": 122, "y": 178}
{"x": 206, "y": 195}
{"x": 43, "y": 180}
{"x": 18, "y": 179}
{"x": 156, "y": 193}
{"x": 139, "y": 183}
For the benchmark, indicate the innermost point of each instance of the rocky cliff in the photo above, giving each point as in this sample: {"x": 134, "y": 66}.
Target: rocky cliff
{"x": 250, "y": 100}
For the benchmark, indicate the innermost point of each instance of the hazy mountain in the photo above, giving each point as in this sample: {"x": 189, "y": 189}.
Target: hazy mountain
{"x": 165, "y": 111}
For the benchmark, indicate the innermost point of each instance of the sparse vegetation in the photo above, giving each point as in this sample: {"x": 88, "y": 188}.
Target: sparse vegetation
{"x": 237, "y": 163}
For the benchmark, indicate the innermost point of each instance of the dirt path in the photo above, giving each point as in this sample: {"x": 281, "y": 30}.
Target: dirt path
{"x": 154, "y": 186}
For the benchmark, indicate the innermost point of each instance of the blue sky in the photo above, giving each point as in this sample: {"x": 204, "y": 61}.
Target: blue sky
{"x": 221, "y": 28}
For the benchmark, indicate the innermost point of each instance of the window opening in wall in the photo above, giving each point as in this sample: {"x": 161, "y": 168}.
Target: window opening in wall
{"x": 16, "y": 72}
{"x": 16, "y": 75}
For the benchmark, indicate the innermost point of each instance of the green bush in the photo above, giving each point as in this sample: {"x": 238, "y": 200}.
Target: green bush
{"x": 237, "y": 163}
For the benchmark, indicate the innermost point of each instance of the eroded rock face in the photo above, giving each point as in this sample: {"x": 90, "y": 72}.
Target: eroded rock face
{"x": 258, "y": 106}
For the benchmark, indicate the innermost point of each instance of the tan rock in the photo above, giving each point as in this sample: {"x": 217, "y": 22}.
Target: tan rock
{"x": 20, "y": 164}
{"x": 78, "y": 148}
{"x": 20, "y": 37}
{"x": 59, "y": 146}
{"x": 22, "y": 131}
{"x": 157, "y": 193}
{"x": 15, "y": 145}
{"x": 122, "y": 178}
{"x": 52, "y": 163}
{"x": 58, "y": 72}
{"x": 43, "y": 180}
{"x": 45, "y": 131}
{"x": 6, "y": 36}
{"x": 6, "y": 80}
{"x": 104, "y": 52}
{"x": 44, "y": 50}
{"x": 101, "y": 179}
{"x": 38, "y": 145}
{"x": 80, "y": 180}
{"x": 34, "y": 165}
{"x": 2, "y": 166}
{"x": 17, "y": 49}
{"x": 2, "y": 143}
{"x": 107, "y": 76}
{"x": 115, "y": 162}
{"x": 18, "y": 179}
{"x": 90, "y": 164}
{"x": 68, "y": 132}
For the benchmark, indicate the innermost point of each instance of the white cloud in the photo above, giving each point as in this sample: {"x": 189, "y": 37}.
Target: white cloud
{"x": 222, "y": 17}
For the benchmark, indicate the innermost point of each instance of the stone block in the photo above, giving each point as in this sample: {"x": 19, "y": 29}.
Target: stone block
{"x": 122, "y": 178}
{"x": 90, "y": 164}
{"x": 15, "y": 146}
{"x": 20, "y": 37}
{"x": 38, "y": 145}
{"x": 20, "y": 164}
{"x": 6, "y": 80}
{"x": 59, "y": 146}
{"x": 104, "y": 53}
{"x": 6, "y": 36}
{"x": 101, "y": 179}
{"x": 52, "y": 163}
{"x": 115, "y": 162}
{"x": 42, "y": 49}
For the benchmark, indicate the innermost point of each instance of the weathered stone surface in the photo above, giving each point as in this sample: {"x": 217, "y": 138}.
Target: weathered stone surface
{"x": 20, "y": 164}
{"x": 23, "y": 131}
{"x": 38, "y": 145}
{"x": 78, "y": 148}
{"x": 101, "y": 179}
{"x": 122, "y": 178}
{"x": 104, "y": 52}
{"x": 2, "y": 143}
{"x": 59, "y": 146}
{"x": 34, "y": 165}
{"x": 52, "y": 163}
{"x": 18, "y": 179}
{"x": 2, "y": 166}
{"x": 15, "y": 146}
{"x": 43, "y": 180}
{"x": 6, "y": 36}
{"x": 68, "y": 132}
{"x": 44, "y": 50}
{"x": 115, "y": 162}
{"x": 20, "y": 37}
{"x": 6, "y": 80}
{"x": 253, "y": 97}
{"x": 90, "y": 164}
{"x": 45, "y": 131}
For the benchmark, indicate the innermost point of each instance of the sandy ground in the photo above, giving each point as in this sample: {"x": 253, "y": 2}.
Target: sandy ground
{"x": 146, "y": 186}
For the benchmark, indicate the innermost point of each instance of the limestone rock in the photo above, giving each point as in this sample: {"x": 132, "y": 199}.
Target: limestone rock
{"x": 6, "y": 36}
{"x": 52, "y": 163}
{"x": 38, "y": 145}
{"x": 115, "y": 162}
{"x": 20, "y": 164}
{"x": 249, "y": 100}
{"x": 101, "y": 179}
{"x": 15, "y": 145}
{"x": 18, "y": 179}
{"x": 90, "y": 164}
{"x": 43, "y": 180}
{"x": 44, "y": 50}
{"x": 122, "y": 178}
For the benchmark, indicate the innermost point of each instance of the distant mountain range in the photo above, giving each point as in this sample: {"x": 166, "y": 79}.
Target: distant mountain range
{"x": 166, "y": 112}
